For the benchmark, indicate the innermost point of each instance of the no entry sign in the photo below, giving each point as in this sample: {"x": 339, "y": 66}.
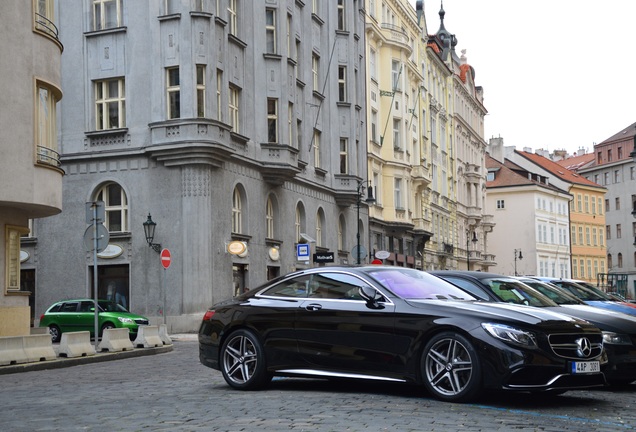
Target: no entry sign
{"x": 166, "y": 258}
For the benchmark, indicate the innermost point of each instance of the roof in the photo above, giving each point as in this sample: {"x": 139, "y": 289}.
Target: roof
{"x": 557, "y": 170}
{"x": 510, "y": 174}
{"x": 575, "y": 163}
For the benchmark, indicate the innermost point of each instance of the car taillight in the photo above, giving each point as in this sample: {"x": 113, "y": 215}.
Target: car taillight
{"x": 41, "y": 317}
{"x": 208, "y": 315}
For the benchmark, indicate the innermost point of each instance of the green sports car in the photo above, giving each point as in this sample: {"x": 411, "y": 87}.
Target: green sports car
{"x": 79, "y": 315}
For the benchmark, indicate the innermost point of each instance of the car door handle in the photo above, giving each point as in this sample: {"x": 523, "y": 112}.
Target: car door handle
{"x": 313, "y": 307}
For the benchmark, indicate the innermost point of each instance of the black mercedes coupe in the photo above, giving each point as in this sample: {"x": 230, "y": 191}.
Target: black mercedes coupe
{"x": 396, "y": 324}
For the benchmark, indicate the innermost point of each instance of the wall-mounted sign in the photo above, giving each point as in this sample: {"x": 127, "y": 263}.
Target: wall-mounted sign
{"x": 236, "y": 248}
{"x": 111, "y": 251}
{"x": 324, "y": 257}
{"x": 382, "y": 254}
{"x": 274, "y": 254}
{"x": 302, "y": 252}
{"x": 24, "y": 255}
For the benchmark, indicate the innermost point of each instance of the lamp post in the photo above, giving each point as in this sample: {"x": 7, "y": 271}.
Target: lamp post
{"x": 149, "y": 231}
{"x": 517, "y": 255}
{"x": 369, "y": 200}
{"x": 468, "y": 240}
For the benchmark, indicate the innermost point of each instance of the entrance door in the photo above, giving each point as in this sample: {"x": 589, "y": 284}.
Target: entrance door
{"x": 113, "y": 284}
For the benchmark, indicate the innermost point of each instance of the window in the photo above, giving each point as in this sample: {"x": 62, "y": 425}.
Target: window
{"x": 319, "y": 224}
{"x": 398, "y": 193}
{"x": 632, "y": 173}
{"x": 593, "y": 205}
{"x": 115, "y": 205}
{"x": 314, "y": 6}
{"x": 397, "y": 141}
{"x": 619, "y": 231}
{"x": 372, "y": 64}
{"x": 600, "y": 208}
{"x": 290, "y": 123}
{"x": 173, "y": 90}
{"x": 46, "y": 125}
{"x": 594, "y": 237}
{"x": 201, "y": 91}
{"x": 586, "y": 202}
{"x": 581, "y": 235}
{"x": 573, "y": 235}
{"x": 45, "y": 17}
{"x": 272, "y": 120}
{"x": 395, "y": 74}
{"x": 501, "y": 204}
{"x": 315, "y": 71}
{"x": 342, "y": 83}
{"x": 110, "y": 104}
{"x": 609, "y": 155}
{"x": 617, "y": 176}
{"x": 219, "y": 86}
{"x": 172, "y": 6}
{"x": 579, "y": 207}
{"x": 233, "y": 107}
{"x": 289, "y": 36}
{"x": 270, "y": 31}
{"x": 344, "y": 156}
{"x": 342, "y": 17}
{"x": 232, "y": 17}
{"x": 316, "y": 148}
{"x": 607, "y": 206}
{"x": 269, "y": 218}
{"x": 374, "y": 126}
{"x": 620, "y": 260}
{"x": 106, "y": 14}
{"x": 608, "y": 232}
{"x": 341, "y": 233}
{"x": 587, "y": 236}
{"x": 237, "y": 223}
{"x": 617, "y": 202}
{"x": 299, "y": 221}
{"x": 12, "y": 254}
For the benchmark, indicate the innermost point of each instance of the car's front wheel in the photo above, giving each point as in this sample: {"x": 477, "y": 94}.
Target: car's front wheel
{"x": 106, "y": 326}
{"x": 450, "y": 367}
{"x": 55, "y": 332}
{"x": 243, "y": 361}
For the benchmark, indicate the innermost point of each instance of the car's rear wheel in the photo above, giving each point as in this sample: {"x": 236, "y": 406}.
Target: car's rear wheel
{"x": 55, "y": 332}
{"x": 243, "y": 361}
{"x": 450, "y": 367}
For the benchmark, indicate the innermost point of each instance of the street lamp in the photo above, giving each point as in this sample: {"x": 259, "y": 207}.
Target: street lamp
{"x": 517, "y": 255}
{"x": 368, "y": 200}
{"x": 149, "y": 230}
{"x": 468, "y": 240}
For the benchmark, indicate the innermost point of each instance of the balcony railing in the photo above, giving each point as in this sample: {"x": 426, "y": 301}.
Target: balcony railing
{"x": 45, "y": 25}
{"x": 48, "y": 156}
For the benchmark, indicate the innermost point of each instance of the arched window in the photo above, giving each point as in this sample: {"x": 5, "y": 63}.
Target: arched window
{"x": 620, "y": 260}
{"x": 237, "y": 222}
{"x": 609, "y": 262}
{"x": 341, "y": 232}
{"x": 300, "y": 221}
{"x": 116, "y": 206}
{"x": 320, "y": 223}
{"x": 269, "y": 218}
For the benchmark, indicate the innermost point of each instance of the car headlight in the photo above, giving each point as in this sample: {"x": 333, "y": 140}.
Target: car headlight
{"x": 511, "y": 334}
{"x": 616, "y": 338}
{"x": 126, "y": 320}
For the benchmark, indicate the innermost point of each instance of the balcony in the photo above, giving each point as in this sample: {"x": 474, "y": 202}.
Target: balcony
{"x": 47, "y": 156}
{"x": 279, "y": 163}
{"x": 397, "y": 36}
{"x": 346, "y": 189}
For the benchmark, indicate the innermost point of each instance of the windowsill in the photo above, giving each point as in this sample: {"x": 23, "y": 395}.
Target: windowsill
{"x": 236, "y": 41}
{"x": 272, "y": 56}
{"x": 321, "y": 172}
{"x": 17, "y": 293}
{"x": 241, "y": 237}
{"x": 317, "y": 19}
{"x": 318, "y": 95}
{"x": 342, "y": 32}
{"x": 106, "y": 132}
{"x": 201, "y": 14}
{"x": 220, "y": 21}
{"x": 344, "y": 104}
{"x": 238, "y": 138}
{"x": 106, "y": 31}
{"x": 174, "y": 16}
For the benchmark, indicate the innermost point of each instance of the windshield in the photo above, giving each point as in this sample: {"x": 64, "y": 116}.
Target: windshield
{"x": 513, "y": 291}
{"x": 414, "y": 284}
{"x": 552, "y": 292}
{"x": 581, "y": 292}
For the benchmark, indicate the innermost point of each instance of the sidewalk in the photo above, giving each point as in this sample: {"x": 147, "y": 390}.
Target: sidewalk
{"x": 61, "y": 362}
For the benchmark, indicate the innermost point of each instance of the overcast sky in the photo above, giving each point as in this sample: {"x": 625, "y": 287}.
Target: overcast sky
{"x": 557, "y": 74}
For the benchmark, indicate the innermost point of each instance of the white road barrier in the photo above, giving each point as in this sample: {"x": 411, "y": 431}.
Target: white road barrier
{"x": 39, "y": 347}
{"x": 76, "y": 344}
{"x": 148, "y": 337}
{"x": 115, "y": 340}
{"x": 12, "y": 350}
{"x": 163, "y": 334}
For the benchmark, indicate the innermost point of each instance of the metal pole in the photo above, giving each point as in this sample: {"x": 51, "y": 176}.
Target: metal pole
{"x": 95, "y": 273}
{"x": 164, "y": 296}
{"x": 358, "y": 226}
{"x": 467, "y": 250}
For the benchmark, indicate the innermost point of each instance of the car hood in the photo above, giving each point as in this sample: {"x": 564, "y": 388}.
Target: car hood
{"x": 527, "y": 315}
{"x": 123, "y": 315}
{"x": 605, "y": 319}
{"x": 614, "y": 306}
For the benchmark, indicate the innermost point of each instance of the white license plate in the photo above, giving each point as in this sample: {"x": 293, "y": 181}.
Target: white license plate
{"x": 585, "y": 367}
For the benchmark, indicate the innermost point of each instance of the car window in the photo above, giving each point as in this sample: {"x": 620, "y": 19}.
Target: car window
{"x": 579, "y": 291}
{"x": 86, "y": 306}
{"x": 468, "y": 286}
{"x": 295, "y": 287}
{"x": 552, "y": 293}
{"x": 69, "y": 307}
{"x": 511, "y": 291}
{"x": 55, "y": 308}
{"x": 335, "y": 286}
{"x": 415, "y": 284}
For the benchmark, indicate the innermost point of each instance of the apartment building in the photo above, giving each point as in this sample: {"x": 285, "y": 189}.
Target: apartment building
{"x": 30, "y": 169}
{"x": 235, "y": 129}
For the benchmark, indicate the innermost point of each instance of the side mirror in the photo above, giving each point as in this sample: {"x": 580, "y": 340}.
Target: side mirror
{"x": 371, "y": 296}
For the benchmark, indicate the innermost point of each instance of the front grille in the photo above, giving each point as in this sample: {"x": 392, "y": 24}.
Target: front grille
{"x": 141, "y": 321}
{"x": 576, "y": 346}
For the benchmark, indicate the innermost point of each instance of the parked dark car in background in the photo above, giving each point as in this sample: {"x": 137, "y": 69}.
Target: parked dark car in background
{"x": 396, "y": 324}
{"x": 79, "y": 315}
{"x": 595, "y": 298}
{"x": 619, "y": 330}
